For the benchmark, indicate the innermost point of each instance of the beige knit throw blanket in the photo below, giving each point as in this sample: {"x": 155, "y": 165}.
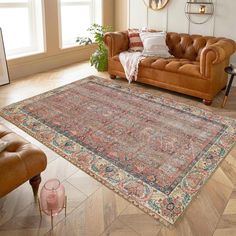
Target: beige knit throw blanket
{"x": 130, "y": 62}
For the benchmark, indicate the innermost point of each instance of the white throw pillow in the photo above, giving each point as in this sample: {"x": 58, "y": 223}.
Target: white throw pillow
{"x": 155, "y": 44}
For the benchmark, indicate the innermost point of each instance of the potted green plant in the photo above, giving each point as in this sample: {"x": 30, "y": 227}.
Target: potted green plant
{"x": 84, "y": 40}
{"x": 99, "y": 59}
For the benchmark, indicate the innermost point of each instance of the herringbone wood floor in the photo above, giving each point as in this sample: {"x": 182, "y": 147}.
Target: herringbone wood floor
{"x": 95, "y": 210}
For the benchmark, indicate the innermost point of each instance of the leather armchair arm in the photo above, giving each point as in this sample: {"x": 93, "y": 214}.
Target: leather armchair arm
{"x": 215, "y": 54}
{"x": 116, "y": 42}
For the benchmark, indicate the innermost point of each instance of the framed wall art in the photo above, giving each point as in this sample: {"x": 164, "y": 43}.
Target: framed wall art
{"x": 4, "y": 74}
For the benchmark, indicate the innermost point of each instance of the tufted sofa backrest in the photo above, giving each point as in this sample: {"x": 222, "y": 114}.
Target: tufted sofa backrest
{"x": 188, "y": 46}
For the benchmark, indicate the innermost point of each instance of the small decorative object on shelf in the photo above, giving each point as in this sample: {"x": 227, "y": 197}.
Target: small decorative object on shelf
{"x": 230, "y": 70}
{"x": 52, "y": 199}
{"x": 199, "y": 12}
{"x": 202, "y": 9}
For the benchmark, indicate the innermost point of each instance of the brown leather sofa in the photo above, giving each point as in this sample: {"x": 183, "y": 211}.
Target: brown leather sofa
{"x": 19, "y": 162}
{"x": 197, "y": 68}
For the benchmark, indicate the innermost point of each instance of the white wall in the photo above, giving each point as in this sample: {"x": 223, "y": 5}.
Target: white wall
{"x": 172, "y": 18}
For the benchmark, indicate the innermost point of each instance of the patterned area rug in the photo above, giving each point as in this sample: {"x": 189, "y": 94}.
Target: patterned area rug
{"x": 154, "y": 152}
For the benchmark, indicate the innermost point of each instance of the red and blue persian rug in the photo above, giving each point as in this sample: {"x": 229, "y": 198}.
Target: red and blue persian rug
{"x": 154, "y": 152}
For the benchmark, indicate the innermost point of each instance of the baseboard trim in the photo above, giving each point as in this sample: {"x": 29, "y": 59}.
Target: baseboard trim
{"x": 46, "y": 63}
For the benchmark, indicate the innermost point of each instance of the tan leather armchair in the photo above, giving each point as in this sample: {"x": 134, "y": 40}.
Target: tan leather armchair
{"x": 19, "y": 162}
{"x": 197, "y": 68}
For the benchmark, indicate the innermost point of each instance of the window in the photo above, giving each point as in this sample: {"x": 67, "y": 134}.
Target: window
{"x": 76, "y": 16}
{"x": 22, "y": 27}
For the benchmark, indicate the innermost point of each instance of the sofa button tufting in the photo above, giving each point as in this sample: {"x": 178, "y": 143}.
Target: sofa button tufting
{"x": 189, "y": 61}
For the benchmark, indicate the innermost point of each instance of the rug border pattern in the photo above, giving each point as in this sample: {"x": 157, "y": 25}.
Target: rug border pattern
{"x": 219, "y": 150}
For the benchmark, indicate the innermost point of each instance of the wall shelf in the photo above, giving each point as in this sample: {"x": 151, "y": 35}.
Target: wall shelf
{"x": 199, "y": 12}
{"x": 200, "y": 3}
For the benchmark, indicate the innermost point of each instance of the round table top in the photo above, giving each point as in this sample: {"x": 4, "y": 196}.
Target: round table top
{"x": 230, "y": 70}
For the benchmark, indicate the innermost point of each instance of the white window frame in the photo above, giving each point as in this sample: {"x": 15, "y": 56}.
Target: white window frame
{"x": 32, "y": 24}
{"x": 71, "y": 3}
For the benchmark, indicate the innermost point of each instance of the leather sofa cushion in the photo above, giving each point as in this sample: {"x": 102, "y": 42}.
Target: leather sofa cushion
{"x": 188, "y": 46}
{"x": 116, "y": 58}
{"x": 174, "y": 65}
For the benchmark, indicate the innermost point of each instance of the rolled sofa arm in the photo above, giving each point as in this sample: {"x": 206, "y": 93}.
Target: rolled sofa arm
{"x": 215, "y": 54}
{"x": 116, "y": 42}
